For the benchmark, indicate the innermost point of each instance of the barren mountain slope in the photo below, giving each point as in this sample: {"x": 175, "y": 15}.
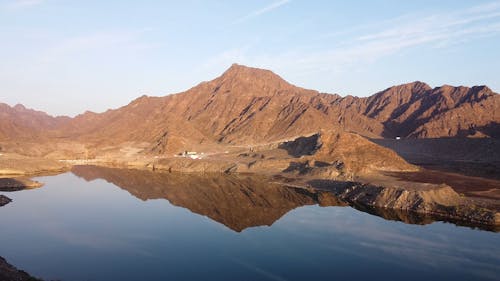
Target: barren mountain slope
{"x": 415, "y": 110}
{"x": 19, "y": 123}
{"x": 249, "y": 106}
{"x": 243, "y": 106}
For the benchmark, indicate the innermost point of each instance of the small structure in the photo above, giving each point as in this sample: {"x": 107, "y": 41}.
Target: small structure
{"x": 398, "y": 137}
{"x": 191, "y": 154}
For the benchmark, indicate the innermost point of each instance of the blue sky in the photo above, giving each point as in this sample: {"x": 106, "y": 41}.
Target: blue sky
{"x": 65, "y": 57}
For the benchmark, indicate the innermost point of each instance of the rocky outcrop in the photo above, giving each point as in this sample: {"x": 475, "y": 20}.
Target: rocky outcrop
{"x": 4, "y": 200}
{"x": 9, "y": 273}
{"x": 441, "y": 202}
{"x": 16, "y": 184}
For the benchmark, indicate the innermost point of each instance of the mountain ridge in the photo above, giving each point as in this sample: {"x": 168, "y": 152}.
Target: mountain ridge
{"x": 247, "y": 106}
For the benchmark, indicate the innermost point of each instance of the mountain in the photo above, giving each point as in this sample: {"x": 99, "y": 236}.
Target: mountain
{"x": 243, "y": 106}
{"x": 250, "y": 106}
{"x": 19, "y": 123}
{"x": 416, "y": 111}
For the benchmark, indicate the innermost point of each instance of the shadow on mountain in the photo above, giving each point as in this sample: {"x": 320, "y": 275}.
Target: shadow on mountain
{"x": 491, "y": 129}
{"x": 302, "y": 145}
{"x": 477, "y": 157}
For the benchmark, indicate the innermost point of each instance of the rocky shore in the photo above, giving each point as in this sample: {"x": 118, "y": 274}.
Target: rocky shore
{"x": 10, "y": 273}
{"x": 440, "y": 202}
{"x": 16, "y": 184}
{"x": 4, "y": 200}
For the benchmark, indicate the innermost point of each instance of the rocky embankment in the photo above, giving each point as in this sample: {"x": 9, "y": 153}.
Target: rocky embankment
{"x": 439, "y": 201}
{"x": 9, "y": 273}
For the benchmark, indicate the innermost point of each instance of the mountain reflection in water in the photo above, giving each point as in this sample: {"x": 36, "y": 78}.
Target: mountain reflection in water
{"x": 74, "y": 230}
{"x": 236, "y": 201}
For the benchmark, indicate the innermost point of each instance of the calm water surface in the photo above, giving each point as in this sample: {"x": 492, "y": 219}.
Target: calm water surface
{"x": 74, "y": 229}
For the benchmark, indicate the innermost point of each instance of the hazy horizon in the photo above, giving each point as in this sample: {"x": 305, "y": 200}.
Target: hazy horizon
{"x": 65, "y": 58}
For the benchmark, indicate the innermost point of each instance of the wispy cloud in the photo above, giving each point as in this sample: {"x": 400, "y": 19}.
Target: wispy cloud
{"x": 262, "y": 11}
{"x": 21, "y": 4}
{"x": 367, "y": 44}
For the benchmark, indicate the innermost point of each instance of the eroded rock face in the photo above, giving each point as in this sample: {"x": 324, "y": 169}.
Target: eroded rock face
{"x": 416, "y": 110}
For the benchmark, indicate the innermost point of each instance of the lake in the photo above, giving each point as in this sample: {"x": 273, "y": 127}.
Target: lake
{"x": 112, "y": 224}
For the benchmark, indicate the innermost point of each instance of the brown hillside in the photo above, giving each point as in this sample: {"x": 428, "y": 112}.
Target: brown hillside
{"x": 20, "y": 123}
{"x": 344, "y": 154}
{"x": 249, "y": 106}
{"x": 415, "y": 110}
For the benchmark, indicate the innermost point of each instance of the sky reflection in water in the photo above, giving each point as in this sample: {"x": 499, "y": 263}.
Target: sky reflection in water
{"x": 72, "y": 229}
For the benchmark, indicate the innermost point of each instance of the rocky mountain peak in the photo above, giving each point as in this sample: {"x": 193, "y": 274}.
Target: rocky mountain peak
{"x": 250, "y": 80}
{"x": 415, "y": 87}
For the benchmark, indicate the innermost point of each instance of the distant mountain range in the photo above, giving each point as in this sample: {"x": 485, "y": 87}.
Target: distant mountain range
{"x": 247, "y": 106}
